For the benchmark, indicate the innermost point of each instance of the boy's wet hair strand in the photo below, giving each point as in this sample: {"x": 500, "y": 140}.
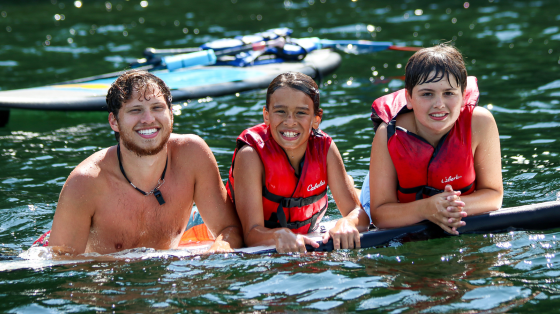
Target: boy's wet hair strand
{"x": 443, "y": 60}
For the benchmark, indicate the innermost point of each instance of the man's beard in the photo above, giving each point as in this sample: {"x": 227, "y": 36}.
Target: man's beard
{"x": 139, "y": 151}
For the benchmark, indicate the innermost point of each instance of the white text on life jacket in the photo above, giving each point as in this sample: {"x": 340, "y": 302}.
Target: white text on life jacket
{"x": 316, "y": 186}
{"x": 451, "y": 179}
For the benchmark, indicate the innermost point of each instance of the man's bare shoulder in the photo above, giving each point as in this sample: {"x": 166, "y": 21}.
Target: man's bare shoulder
{"x": 189, "y": 144}
{"x": 88, "y": 180}
{"x": 190, "y": 154}
{"x": 95, "y": 168}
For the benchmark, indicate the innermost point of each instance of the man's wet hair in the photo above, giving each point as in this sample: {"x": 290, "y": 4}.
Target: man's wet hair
{"x": 297, "y": 81}
{"x": 134, "y": 80}
{"x": 442, "y": 59}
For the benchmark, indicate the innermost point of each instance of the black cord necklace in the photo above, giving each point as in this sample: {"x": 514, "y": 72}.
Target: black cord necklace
{"x": 156, "y": 192}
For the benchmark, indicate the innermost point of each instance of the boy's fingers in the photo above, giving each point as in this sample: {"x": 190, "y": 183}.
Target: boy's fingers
{"x": 458, "y": 203}
{"x": 336, "y": 243}
{"x": 448, "y": 229}
{"x": 311, "y": 242}
{"x": 326, "y": 237}
{"x": 357, "y": 242}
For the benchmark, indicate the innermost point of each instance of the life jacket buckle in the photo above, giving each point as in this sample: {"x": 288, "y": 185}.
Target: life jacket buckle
{"x": 291, "y": 202}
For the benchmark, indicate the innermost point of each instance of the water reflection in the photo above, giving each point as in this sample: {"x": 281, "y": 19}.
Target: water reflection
{"x": 512, "y": 47}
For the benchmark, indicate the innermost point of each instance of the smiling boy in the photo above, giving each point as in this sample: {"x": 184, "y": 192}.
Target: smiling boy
{"x": 440, "y": 162}
{"x": 140, "y": 192}
{"x": 281, "y": 169}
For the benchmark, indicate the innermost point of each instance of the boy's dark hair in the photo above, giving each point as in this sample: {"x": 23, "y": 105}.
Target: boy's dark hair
{"x": 134, "y": 80}
{"x": 442, "y": 59}
{"x": 297, "y": 81}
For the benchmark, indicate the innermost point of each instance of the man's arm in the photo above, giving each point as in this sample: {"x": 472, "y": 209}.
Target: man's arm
{"x": 211, "y": 198}
{"x": 73, "y": 216}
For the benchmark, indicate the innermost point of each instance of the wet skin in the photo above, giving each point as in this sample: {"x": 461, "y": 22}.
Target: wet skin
{"x": 291, "y": 118}
{"x": 437, "y": 106}
{"x": 99, "y": 211}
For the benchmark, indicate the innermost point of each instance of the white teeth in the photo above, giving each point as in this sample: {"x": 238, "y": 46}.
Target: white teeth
{"x": 290, "y": 134}
{"x": 438, "y": 115}
{"x": 147, "y": 131}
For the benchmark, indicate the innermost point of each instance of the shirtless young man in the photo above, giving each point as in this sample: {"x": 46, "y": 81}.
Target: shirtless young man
{"x": 102, "y": 207}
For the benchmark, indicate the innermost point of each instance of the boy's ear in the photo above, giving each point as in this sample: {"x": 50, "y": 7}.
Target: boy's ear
{"x": 265, "y": 116}
{"x": 317, "y": 119}
{"x": 408, "y": 99}
{"x": 113, "y": 122}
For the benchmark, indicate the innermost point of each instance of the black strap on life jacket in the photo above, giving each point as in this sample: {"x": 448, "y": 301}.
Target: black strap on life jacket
{"x": 429, "y": 191}
{"x": 278, "y": 219}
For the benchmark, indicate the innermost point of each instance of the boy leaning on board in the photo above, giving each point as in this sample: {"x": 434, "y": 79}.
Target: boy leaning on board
{"x": 436, "y": 154}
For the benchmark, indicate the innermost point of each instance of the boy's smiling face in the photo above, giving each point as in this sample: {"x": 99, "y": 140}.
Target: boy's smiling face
{"x": 436, "y": 105}
{"x": 291, "y": 117}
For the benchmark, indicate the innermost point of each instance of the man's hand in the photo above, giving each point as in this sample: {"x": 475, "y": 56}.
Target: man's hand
{"x": 344, "y": 235}
{"x": 446, "y": 210}
{"x": 287, "y": 241}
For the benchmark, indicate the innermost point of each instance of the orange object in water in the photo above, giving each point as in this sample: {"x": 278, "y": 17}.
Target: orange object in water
{"x": 196, "y": 235}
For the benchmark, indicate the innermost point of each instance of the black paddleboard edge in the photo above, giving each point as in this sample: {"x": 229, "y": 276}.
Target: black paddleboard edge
{"x": 540, "y": 216}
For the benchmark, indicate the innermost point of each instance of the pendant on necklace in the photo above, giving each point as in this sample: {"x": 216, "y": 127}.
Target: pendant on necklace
{"x": 159, "y": 197}
{"x": 156, "y": 192}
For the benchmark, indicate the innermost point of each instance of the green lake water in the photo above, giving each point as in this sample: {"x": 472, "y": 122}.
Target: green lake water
{"x": 511, "y": 46}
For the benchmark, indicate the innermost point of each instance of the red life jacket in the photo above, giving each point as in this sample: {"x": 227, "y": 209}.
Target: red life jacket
{"x": 422, "y": 170}
{"x": 288, "y": 201}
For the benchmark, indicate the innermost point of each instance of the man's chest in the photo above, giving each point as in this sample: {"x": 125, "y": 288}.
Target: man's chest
{"x": 127, "y": 219}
